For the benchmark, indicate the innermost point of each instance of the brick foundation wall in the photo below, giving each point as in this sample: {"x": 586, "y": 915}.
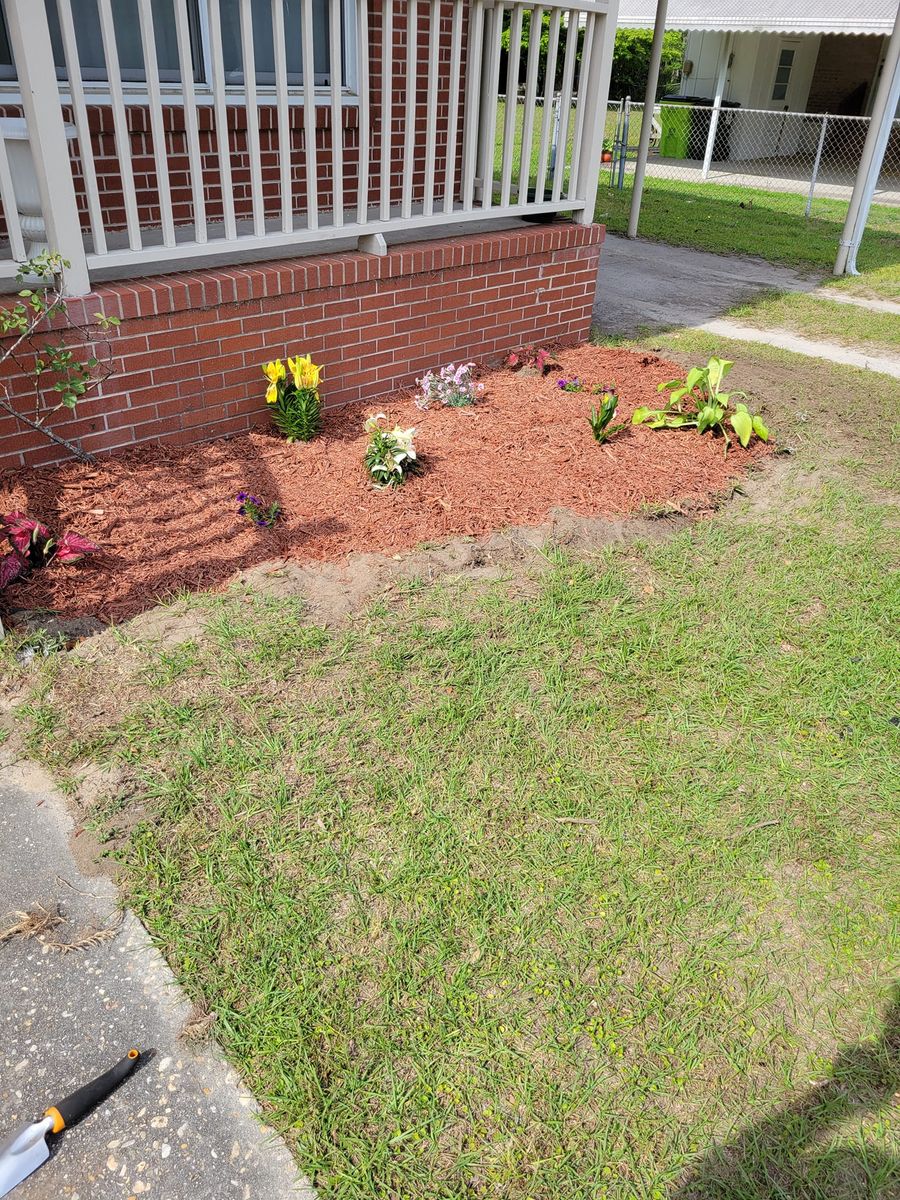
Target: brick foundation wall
{"x": 188, "y": 353}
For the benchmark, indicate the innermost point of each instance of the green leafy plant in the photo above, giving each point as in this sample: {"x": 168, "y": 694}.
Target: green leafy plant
{"x": 698, "y": 402}
{"x": 601, "y": 417}
{"x": 35, "y": 326}
{"x": 256, "y": 510}
{"x": 390, "y": 455}
{"x": 294, "y": 402}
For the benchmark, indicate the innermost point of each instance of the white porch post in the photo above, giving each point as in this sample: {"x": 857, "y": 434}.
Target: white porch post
{"x": 883, "y": 110}
{"x": 717, "y": 106}
{"x": 29, "y": 36}
{"x": 597, "y": 90}
{"x": 640, "y": 166}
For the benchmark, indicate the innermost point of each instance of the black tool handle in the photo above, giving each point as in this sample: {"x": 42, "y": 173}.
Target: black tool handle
{"x": 74, "y": 1107}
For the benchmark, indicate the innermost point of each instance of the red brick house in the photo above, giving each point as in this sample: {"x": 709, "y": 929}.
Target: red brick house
{"x": 365, "y": 193}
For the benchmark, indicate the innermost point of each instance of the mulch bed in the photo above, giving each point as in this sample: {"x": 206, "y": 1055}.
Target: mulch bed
{"x": 166, "y": 516}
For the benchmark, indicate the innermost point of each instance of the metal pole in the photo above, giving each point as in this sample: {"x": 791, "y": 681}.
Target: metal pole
{"x": 883, "y": 110}
{"x": 717, "y": 107}
{"x": 623, "y": 150}
{"x": 640, "y": 166}
{"x": 815, "y": 170}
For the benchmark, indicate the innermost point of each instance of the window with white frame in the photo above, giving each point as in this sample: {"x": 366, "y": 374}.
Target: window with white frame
{"x": 783, "y": 73}
{"x": 131, "y": 60}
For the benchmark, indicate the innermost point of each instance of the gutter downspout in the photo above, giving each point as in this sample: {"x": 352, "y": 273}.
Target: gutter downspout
{"x": 883, "y": 111}
{"x": 637, "y": 191}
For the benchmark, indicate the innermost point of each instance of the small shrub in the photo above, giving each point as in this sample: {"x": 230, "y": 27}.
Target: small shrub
{"x": 539, "y": 362}
{"x": 390, "y": 455}
{"x": 452, "y": 386}
{"x": 34, "y": 547}
{"x": 601, "y": 417}
{"x": 35, "y": 329}
{"x": 296, "y": 407}
{"x": 256, "y": 510}
{"x": 697, "y": 402}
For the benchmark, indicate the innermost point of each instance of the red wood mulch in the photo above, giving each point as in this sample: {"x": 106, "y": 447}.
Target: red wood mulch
{"x": 166, "y": 516}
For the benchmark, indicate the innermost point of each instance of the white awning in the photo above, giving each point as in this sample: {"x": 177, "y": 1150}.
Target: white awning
{"x": 770, "y": 16}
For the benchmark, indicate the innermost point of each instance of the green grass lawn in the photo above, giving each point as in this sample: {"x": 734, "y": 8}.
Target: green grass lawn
{"x": 728, "y": 219}
{"x": 541, "y": 888}
{"x": 816, "y": 317}
{"x": 739, "y": 220}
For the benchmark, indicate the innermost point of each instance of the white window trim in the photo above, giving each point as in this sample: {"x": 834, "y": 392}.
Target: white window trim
{"x": 97, "y": 91}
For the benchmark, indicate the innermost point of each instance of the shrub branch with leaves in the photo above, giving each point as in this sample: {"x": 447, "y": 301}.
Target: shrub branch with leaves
{"x": 698, "y": 402}
{"x": 38, "y": 323}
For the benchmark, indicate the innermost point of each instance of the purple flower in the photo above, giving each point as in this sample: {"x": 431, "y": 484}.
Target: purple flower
{"x": 241, "y": 496}
{"x": 562, "y": 384}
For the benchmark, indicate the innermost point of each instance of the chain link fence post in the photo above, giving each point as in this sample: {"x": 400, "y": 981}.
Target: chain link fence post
{"x": 816, "y": 163}
{"x": 623, "y": 148}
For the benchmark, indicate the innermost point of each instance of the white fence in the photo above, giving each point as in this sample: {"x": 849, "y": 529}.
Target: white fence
{"x": 255, "y": 125}
{"x": 814, "y": 155}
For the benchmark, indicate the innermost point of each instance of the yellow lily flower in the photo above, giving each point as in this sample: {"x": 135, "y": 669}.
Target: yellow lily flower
{"x": 305, "y": 372}
{"x": 274, "y": 372}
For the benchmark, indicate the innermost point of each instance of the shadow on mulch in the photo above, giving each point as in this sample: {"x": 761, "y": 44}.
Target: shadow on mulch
{"x": 167, "y": 518}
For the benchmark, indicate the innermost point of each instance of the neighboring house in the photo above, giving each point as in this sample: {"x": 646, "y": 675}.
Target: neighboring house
{"x": 811, "y": 56}
{"x": 183, "y": 187}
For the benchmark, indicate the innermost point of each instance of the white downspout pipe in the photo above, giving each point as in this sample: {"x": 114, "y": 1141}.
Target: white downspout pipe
{"x": 640, "y": 166}
{"x": 883, "y": 110}
{"x": 717, "y": 106}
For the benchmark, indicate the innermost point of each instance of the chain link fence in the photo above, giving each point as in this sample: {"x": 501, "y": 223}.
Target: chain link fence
{"x": 814, "y": 155}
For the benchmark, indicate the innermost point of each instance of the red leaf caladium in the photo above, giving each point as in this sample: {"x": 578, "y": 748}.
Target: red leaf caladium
{"x": 34, "y": 546}
{"x": 72, "y": 547}
{"x": 11, "y": 567}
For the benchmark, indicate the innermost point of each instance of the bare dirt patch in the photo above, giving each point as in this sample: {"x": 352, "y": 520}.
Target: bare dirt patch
{"x": 167, "y": 521}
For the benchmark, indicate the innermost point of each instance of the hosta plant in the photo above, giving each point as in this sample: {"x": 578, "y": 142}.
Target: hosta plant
{"x": 293, "y": 396}
{"x": 697, "y": 401}
{"x": 601, "y": 416}
{"x": 34, "y": 546}
{"x": 390, "y": 455}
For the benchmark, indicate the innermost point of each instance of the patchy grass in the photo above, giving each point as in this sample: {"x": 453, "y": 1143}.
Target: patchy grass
{"x": 539, "y": 887}
{"x": 740, "y": 220}
{"x": 815, "y": 317}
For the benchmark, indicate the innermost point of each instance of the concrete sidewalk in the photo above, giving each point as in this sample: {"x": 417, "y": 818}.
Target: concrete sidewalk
{"x": 182, "y": 1127}
{"x": 649, "y": 285}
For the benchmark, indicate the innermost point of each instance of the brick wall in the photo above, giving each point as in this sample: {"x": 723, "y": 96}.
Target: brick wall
{"x": 187, "y": 355}
{"x": 845, "y": 69}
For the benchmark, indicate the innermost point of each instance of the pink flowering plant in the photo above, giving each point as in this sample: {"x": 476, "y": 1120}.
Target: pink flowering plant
{"x": 34, "y": 546}
{"x": 453, "y": 386}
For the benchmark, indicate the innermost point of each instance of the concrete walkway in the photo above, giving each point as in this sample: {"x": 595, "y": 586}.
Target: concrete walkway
{"x": 651, "y": 286}
{"x": 182, "y": 1127}
{"x": 847, "y": 356}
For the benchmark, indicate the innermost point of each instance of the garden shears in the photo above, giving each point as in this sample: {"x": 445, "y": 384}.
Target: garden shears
{"x": 27, "y": 1149}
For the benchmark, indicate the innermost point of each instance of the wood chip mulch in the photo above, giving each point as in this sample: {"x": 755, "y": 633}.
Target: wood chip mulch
{"x": 167, "y": 519}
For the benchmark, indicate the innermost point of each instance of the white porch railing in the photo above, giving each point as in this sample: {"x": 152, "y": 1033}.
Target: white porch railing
{"x": 387, "y": 115}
